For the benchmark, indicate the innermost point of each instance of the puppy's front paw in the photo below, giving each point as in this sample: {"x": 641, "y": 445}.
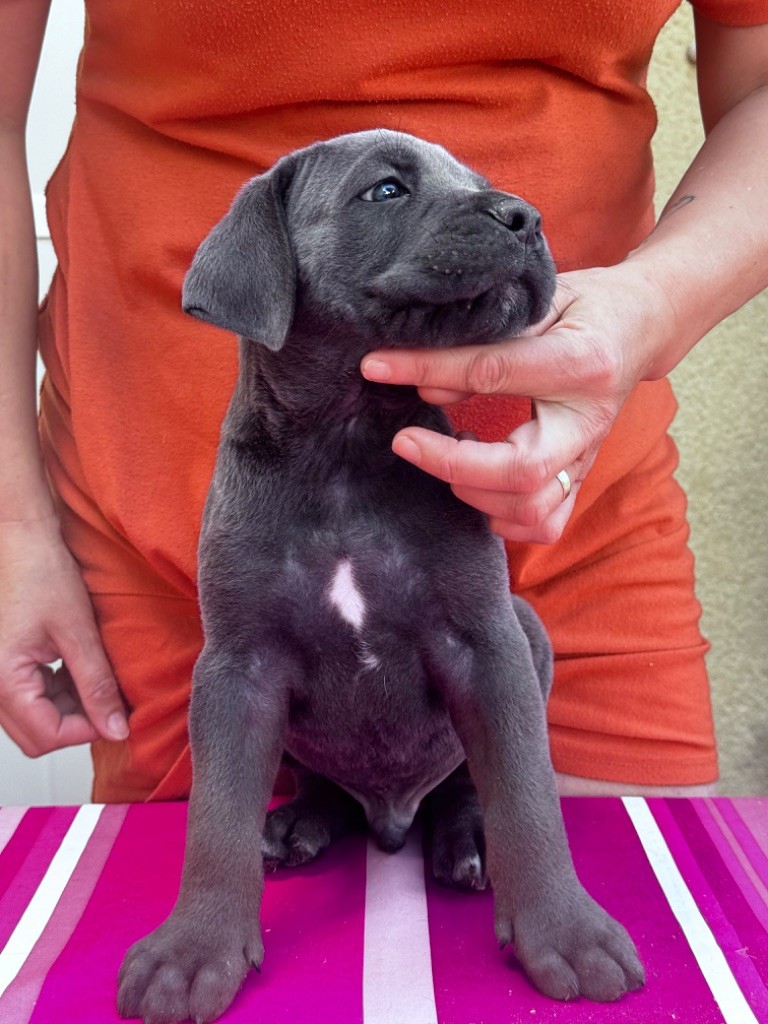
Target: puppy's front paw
{"x": 185, "y": 971}
{"x": 573, "y": 948}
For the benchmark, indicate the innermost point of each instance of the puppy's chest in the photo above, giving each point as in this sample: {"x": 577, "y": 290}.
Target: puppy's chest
{"x": 365, "y": 712}
{"x": 366, "y": 579}
{"x": 343, "y": 593}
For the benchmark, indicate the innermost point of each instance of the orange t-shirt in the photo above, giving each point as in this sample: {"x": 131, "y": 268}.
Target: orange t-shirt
{"x": 178, "y": 102}
{"x": 181, "y": 101}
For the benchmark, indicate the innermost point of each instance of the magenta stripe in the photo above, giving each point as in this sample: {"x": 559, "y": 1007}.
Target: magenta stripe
{"x": 312, "y": 920}
{"x": 475, "y": 982}
{"x": 730, "y": 919}
{"x": 18, "y": 1001}
{"x": 744, "y": 875}
{"x": 26, "y": 859}
{"x": 10, "y": 818}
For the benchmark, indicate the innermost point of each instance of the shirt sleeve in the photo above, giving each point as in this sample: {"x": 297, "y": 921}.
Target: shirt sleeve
{"x": 739, "y": 13}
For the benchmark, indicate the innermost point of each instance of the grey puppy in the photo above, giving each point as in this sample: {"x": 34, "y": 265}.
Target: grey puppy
{"x": 357, "y": 615}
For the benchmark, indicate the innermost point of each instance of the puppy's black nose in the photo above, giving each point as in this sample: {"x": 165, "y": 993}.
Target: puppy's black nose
{"x": 520, "y": 217}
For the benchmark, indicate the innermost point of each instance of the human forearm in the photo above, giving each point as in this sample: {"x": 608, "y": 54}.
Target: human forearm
{"x": 23, "y": 492}
{"x": 709, "y": 250}
{"x": 45, "y": 612}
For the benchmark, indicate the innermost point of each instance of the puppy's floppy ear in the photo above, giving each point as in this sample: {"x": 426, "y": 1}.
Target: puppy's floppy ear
{"x": 243, "y": 276}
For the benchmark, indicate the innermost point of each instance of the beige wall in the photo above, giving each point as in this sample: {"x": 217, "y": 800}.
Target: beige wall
{"x": 721, "y": 432}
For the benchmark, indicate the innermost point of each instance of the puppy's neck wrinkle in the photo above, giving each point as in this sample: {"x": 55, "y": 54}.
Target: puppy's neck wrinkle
{"x": 312, "y": 392}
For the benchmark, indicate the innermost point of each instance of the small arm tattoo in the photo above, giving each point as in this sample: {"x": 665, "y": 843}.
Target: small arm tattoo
{"x": 677, "y": 205}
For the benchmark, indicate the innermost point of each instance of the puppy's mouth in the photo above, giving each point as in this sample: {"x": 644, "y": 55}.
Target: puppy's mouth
{"x": 484, "y": 312}
{"x": 472, "y": 319}
{"x": 447, "y": 288}
{"x": 472, "y": 302}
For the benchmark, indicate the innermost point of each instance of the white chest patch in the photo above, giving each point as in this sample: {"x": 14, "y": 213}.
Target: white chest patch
{"x": 345, "y": 597}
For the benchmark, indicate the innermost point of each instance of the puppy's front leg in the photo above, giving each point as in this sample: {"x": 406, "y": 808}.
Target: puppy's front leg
{"x": 194, "y": 963}
{"x": 566, "y": 942}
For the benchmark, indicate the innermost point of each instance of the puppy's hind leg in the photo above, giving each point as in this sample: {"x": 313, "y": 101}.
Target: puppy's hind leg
{"x": 452, "y": 814}
{"x": 320, "y": 813}
{"x": 541, "y": 649}
{"x": 453, "y": 822}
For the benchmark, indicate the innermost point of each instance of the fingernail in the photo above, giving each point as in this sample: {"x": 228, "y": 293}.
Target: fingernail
{"x": 375, "y": 369}
{"x": 117, "y": 726}
{"x": 406, "y": 449}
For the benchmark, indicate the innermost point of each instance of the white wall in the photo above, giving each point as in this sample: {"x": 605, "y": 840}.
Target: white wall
{"x": 51, "y": 113}
{"x": 63, "y": 777}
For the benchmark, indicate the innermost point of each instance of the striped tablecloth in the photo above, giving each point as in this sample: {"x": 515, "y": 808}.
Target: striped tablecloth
{"x": 362, "y": 936}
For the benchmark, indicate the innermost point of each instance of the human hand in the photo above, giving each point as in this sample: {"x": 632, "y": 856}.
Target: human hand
{"x": 46, "y": 614}
{"x": 608, "y": 329}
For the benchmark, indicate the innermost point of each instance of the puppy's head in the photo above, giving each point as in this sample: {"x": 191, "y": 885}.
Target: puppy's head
{"x": 376, "y": 235}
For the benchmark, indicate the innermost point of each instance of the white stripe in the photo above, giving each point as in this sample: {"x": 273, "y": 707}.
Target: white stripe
{"x": 397, "y": 960}
{"x": 714, "y": 966}
{"x": 43, "y": 903}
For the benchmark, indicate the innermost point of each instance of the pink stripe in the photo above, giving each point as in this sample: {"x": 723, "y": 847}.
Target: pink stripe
{"x": 749, "y": 882}
{"x": 34, "y": 847}
{"x": 18, "y": 1001}
{"x": 9, "y": 820}
{"x": 17, "y": 846}
{"x": 475, "y": 982}
{"x": 726, "y": 936}
{"x": 397, "y": 938}
{"x": 753, "y": 811}
{"x": 312, "y": 920}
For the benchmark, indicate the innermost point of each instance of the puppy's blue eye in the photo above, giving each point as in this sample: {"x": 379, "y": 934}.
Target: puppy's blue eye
{"x": 389, "y": 188}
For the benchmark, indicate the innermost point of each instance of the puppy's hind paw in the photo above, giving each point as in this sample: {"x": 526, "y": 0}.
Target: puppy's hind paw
{"x": 284, "y": 844}
{"x": 458, "y": 861}
{"x": 296, "y": 833}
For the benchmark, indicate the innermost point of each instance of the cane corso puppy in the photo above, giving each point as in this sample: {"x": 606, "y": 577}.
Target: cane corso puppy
{"x": 358, "y": 619}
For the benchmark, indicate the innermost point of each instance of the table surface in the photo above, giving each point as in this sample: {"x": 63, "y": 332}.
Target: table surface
{"x": 363, "y": 937}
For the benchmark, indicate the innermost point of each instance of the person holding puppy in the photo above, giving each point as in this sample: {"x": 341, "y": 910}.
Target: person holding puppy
{"x": 99, "y": 518}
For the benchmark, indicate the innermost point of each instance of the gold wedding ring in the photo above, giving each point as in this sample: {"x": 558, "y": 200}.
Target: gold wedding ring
{"x": 565, "y": 483}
